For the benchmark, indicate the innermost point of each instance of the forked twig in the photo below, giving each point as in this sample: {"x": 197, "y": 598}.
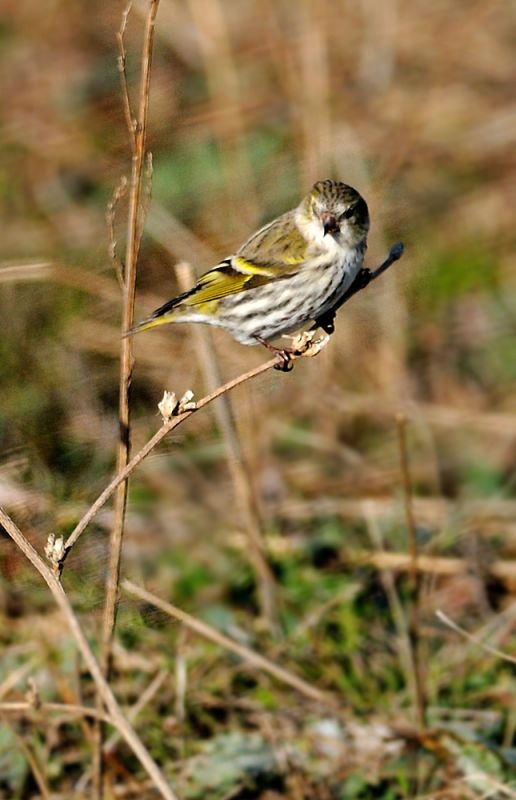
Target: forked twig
{"x": 168, "y": 426}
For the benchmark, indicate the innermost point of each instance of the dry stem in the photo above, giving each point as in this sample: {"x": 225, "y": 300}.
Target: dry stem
{"x": 472, "y": 638}
{"x": 25, "y": 707}
{"x": 245, "y": 653}
{"x": 419, "y": 692}
{"x": 117, "y": 718}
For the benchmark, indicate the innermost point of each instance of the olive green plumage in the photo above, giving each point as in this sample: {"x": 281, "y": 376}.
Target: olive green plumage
{"x": 287, "y": 273}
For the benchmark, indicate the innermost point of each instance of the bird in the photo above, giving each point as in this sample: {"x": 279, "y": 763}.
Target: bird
{"x": 290, "y": 272}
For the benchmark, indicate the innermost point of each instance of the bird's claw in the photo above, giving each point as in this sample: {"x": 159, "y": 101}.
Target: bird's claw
{"x": 326, "y": 323}
{"x": 285, "y": 363}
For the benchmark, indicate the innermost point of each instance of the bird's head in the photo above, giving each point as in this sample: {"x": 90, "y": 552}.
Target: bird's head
{"x": 334, "y": 209}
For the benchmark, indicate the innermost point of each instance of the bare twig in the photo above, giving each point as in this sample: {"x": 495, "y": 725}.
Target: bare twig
{"x": 129, "y": 119}
{"x": 146, "y": 195}
{"x": 472, "y": 638}
{"x": 151, "y": 444}
{"x": 117, "y": 718}
{"x": 25, "y": 707}
{"x": 248, "y": 655}
{"x": 242, "y": 480}
{"x": 110, "y": 219}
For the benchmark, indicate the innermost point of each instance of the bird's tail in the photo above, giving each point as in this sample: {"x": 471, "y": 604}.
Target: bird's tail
{"x": 150, "y": 322}
{"x": 169, "y": 312}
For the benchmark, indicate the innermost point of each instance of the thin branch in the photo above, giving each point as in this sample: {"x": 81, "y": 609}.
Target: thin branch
{"x": 121, "y": 61}
{"x": 127, "y": 359}
{"x": 117, "y": 195}
{"x": 151, "y": 444}
{"x": 248, "y": 655}
{"x": 472, "y": 638}
{"x": 117, "y": 718}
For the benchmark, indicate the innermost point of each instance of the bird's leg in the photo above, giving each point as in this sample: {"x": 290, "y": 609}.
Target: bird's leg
{"x": 326, "y": 321}
{"x": 283, "y": 354}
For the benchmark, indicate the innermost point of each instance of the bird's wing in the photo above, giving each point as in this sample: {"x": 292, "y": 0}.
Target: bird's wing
{"x": 274, "y": 252}
{"x": 279, "y": 245}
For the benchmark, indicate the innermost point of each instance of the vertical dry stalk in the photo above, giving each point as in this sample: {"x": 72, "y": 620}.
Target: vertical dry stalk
{"x": 405, "y": 650}
{"x": 242, "y": 482}
{"x": 137, "y": 133}
{"x": 419, "y": 693}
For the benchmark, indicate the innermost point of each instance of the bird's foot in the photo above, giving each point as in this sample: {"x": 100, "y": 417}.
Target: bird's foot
{"x": 325, "y": 322}
{"x": 305, "y": 344}
{"x": 283, "y": 354}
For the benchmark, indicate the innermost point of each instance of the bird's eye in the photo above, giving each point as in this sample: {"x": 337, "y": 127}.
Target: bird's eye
{"x": 348, "y": 213}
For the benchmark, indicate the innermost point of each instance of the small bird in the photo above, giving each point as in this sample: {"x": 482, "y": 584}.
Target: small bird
{"x": 288, "y": 273}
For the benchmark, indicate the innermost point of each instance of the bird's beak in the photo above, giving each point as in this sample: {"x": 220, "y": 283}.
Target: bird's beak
{"x": 329, "y": 223}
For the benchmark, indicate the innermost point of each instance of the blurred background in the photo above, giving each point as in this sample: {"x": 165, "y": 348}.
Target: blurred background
{"x": 251, "y": 102}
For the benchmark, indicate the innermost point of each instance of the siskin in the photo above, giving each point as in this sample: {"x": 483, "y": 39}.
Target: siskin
{"x": 288, "y": 273}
